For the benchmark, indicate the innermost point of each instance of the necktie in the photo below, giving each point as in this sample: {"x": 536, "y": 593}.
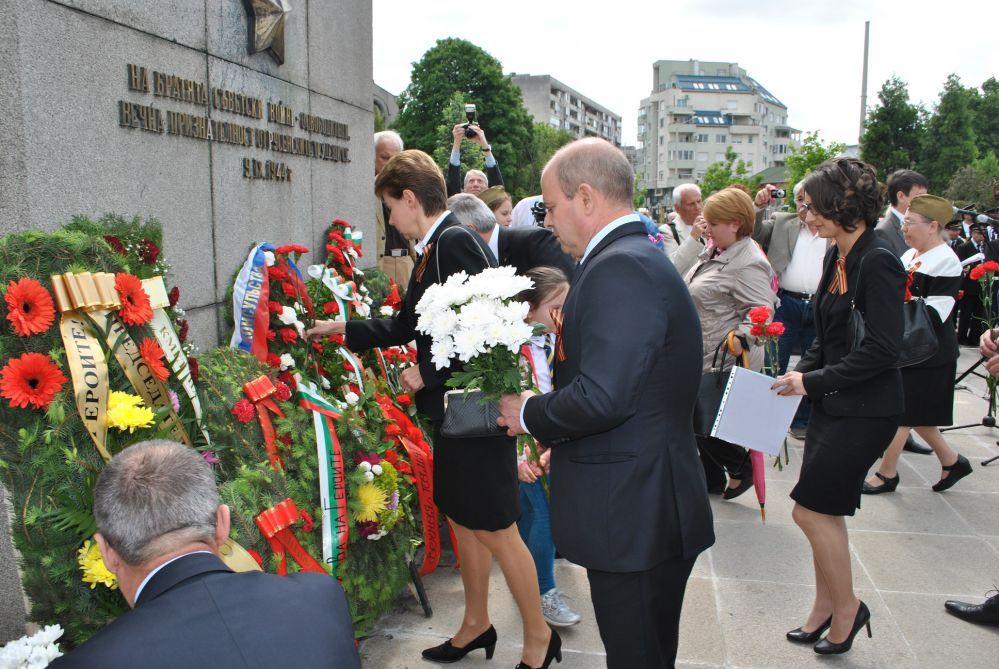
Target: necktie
{"x": 838, "y": 285}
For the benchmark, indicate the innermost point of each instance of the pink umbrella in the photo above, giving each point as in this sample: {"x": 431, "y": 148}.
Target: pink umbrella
{"x": 759, "y": 481}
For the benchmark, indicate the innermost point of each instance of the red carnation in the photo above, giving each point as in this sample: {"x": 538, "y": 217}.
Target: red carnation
{"x": 285, "y": 439}
{"x": 182, "y": 330}
{"x": 289, "y": 379}
{"x": 775, "y": 329}
{"x": 289, "y": 290}
{"x": 192, "y": 362}
{"x": 282, "y": 392}
{"x": 274, "y": 307}
{"x": 757, "y": 330}
{"x": 331, "y": 308}
{"x": 243, "y": 411}
{"x": 337, "y": 339}
{"x": 317, "y": 346}
{"x": 290, "y": 248}
{"x": 404, "y": 400}
{"x": 759, "y": 315}
{"x": 991, "y": 266}
{"x": 116, "y": 244}
{"x": 271, "y": 335}
{"x": 976, "y": 272}
{"x": 277, "y": 273}
{"x": 150, "y": 252}
{"x": 288, "y": 335}
{"x": 403, "y": 467}
{"x": 391, "y": 456}
{"x": 174, "y": 296}
{"x": 273, "y": 360}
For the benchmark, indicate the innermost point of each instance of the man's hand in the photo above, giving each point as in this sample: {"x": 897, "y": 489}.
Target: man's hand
{"x": 510, "y": 406}
{"x": 992, "y": 365}
{"x": 411, "y": 379}
{"x": 326, "y": 328}
{"x": 986, "y": 346}
{"x": 480, "y": 137}
{"x": 791, "y": 383}
{"x": 698, "y": 228}
{"x": 458, "y": 132}
{"x": 764, "y": 197}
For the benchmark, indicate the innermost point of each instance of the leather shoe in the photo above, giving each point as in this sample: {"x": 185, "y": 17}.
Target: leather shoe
{"x": 887, "y": 485}
{"x": 914, "y": 446}
{"x": 554, "y": 652}
{"x": 986, "y": 613}
{"x": 958, "y": 471}
{"x": 744, "y": 485}
{"x": 862, "y": 620}
{"x": 447, "y": 653}
{"x": 799, "y": 635}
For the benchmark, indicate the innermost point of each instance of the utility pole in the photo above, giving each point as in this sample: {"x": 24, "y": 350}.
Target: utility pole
{"x": 863, "y": 85}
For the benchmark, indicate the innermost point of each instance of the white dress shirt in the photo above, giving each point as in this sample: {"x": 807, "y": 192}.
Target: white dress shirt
{"x": 804, "y": 272}
{"x": 422, "y": 244}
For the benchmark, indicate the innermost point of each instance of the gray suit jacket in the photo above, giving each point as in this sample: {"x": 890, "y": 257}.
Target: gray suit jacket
{"x": 778, "y": 237}
{"x": 890, "y": 230}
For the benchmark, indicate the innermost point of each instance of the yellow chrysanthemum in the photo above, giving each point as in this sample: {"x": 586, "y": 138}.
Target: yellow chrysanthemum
{"x": 370, "y": 502}
{"x": 92, "y": 566}
{"x": 126, "y": 412}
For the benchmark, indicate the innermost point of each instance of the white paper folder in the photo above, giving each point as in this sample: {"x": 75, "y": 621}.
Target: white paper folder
{"x": 752, "y": 415}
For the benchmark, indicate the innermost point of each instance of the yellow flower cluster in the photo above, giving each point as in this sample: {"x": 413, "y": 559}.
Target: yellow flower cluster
{"x": 370, "y": 502}
{"x": 92, "y": 566}
{"x": 126, "y": 412}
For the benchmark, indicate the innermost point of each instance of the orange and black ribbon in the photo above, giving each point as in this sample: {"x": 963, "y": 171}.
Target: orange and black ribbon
{"x": 260, "y": 391}
{"x": 275, "y": 524}
{"x": 838, "y": 285}
{"x": 424, "y": 259}
{"x": 557, "y": 316}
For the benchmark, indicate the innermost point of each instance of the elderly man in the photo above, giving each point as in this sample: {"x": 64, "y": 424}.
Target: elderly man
{"x": 475, "y": 181}
{"x": 395, "y": 253}
{"x": 524, "y": 248}
{"x": 903, "y": 185}
{"x": 628, "y": 500}
{"x": 160, "y": 526}
{"x": 684, "y": 231}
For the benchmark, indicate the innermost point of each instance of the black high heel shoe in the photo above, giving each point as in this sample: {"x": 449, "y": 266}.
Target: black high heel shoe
{"x": 554, "y": 653}
{"x": 446, "y": 653}
{"x": 799, "y": 635}
{"x": 863, "y": 619}
{"x": 887, "y": 485}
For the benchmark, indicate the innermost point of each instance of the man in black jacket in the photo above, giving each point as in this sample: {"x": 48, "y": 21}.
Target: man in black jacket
{"x": 160, "y": 527}
{"x": 523, "y": 248}
{"x": 628, "y": 498}
{"x": 475, "y": 181}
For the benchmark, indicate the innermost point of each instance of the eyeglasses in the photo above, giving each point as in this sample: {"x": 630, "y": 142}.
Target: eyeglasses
{"x": 807, "y": 206}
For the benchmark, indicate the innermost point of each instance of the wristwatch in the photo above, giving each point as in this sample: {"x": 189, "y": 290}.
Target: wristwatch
{"x": 489, "y": 148}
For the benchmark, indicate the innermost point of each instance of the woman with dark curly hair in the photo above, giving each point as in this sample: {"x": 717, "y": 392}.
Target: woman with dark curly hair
{"x": 855, "y": 388}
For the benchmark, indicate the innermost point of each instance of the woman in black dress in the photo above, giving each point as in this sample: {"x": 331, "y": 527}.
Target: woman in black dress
{"x": 856, "y": 390}
{"x": 475, "y": 482}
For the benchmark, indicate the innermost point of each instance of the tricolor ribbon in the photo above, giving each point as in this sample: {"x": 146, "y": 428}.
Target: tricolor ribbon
{"x": 275, "y": 524}
{"x": 260, "y": 391}
{"x": 356, "y": 364}
{"x": 355, "y": 238}
{"x": 332, "y": 488}
{"x": 344, "y": 292}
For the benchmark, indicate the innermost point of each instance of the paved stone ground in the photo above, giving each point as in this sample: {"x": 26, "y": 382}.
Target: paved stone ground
{"x": 911, "y": 551}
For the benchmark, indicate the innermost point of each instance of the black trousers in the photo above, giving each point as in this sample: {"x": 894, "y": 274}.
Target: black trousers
{"x": 730, "y": 458}
{"x": 638, "y": 613}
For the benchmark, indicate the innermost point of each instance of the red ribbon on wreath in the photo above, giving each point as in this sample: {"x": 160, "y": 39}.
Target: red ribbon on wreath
{"x": 275, "y": 524}
{"x": 260, "y": 391}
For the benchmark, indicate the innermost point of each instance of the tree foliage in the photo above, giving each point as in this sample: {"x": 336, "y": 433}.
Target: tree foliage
{"x": 986, "y": 120}
{"x": 547, "y": 140}
{"x": 458, "y": 66}
{"x": 974, "y": 183}
{"x": 894, "y": 130}
{"x": 949, "y": 143}
{"x": 724, "y": 173}
{"x": 805, "y": 158}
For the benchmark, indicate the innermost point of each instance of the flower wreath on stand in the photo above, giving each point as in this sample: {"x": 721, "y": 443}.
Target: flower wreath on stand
{"x": 91, "y": 362}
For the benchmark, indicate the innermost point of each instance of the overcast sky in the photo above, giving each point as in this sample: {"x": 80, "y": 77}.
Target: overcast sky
{"x": 808, "y": 53}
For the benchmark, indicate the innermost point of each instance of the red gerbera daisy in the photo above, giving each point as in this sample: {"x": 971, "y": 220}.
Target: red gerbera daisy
{"x": 135, "y": 307}
{"x": 152, "y": 355}
{"x": 31, "y": 379}
{"x": 29, "y": 307}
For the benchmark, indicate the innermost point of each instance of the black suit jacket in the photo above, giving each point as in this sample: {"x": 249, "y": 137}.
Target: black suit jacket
{"x": 890, "y": 229}
{"x": 863, "y": 382}
{"x": 527, "y": 248}
{"x": 455, "y": 248}
{"x": 456, "y": 183}
{"x": 627, "y": 486}
{"x": 196, "y": 613}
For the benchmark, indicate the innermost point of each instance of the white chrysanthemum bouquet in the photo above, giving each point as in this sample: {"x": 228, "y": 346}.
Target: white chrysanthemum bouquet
{"x": 32, "y": 652}
{"x": 477, "y": 320}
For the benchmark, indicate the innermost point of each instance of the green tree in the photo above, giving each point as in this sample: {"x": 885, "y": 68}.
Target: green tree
{"x": 379, "y": 120}
{"x": 976, "y": 183}
{"x": 805, "y": 158}
{"x": 724, "y": 173}
{"x": 547, "y": 140}
{"x": 471, "y": 153}
{"x": 986, "y": 123}
{"x": 894, "y": 130}
{"x": 949, "y": 143}
{"x": 456, "y": 65}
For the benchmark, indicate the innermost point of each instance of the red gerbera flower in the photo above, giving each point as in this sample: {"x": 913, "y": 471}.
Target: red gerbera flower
{"x": 174, "y": 296}
{"x": 759, "y": 315}
{"x": 31, "y": 379}
{"x": 150, "y": 252}
{"x": 281, "y": 391}
{"x": 152, "y": 355}
{"x": 29, "y": 307}
{"x": 135, "y": 308}
{"x": 243, "y": 411}
{"x": 192, "y": 362}
{"x": 116, "y": 244}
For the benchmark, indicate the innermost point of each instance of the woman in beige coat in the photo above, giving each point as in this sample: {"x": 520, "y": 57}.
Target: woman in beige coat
{"x": 731, "y": 277}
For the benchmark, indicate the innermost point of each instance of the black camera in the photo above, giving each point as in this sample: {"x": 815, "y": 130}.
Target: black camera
{"x": 470, "y": 131}
{"x": 778, "y": 192}
{"x": 540, "y": 211}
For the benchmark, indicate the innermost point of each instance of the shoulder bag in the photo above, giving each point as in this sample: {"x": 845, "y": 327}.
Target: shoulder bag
{"x": 712, "y": 388}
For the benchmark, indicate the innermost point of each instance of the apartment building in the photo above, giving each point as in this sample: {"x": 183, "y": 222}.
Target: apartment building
{"x": 550, "y": 101}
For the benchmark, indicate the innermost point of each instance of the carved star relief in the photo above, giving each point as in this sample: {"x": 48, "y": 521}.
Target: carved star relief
{"x": 266, "y": 26}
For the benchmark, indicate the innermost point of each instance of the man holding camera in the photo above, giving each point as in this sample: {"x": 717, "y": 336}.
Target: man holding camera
{"x": 475, "y": 181}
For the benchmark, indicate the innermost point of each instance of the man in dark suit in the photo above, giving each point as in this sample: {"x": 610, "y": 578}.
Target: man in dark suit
{"x": 160, "y": 526}
{"x": 628, "y": 498}
{"x": 903, "y": 185}
{"x": 523, "y": 248}
{"x": 970, "y": 310}
{"x": 475, "y": 181}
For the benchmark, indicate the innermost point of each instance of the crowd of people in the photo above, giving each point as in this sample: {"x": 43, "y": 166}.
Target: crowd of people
{"x": 631, "y": 322}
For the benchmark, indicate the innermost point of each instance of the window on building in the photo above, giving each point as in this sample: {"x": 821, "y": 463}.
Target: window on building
{"x": 736, "y": 140}
{"x": 660, "y": 140}
{"x": 702, "y": 156}
{"x": 701, "y": 138}
{"x": 661, "y": 122}
{"x": 681, "y": 102}
{"x": 721, "y": 139}
{"x": 751, "y": 138}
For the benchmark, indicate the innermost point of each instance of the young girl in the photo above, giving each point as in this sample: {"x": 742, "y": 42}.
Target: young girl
{"x": 550, "y": 288}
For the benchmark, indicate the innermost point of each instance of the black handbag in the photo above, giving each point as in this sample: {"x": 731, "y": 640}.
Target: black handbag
{"x": 919, "y": 337}
{"x": 468, "y": 416}
{"x": 712, "y": 388}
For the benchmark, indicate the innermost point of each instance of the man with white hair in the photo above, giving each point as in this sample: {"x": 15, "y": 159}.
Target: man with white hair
{"x": 684, "y": 230}
{"x": 475, "y": 181}
{"x": 395, "y": 253}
